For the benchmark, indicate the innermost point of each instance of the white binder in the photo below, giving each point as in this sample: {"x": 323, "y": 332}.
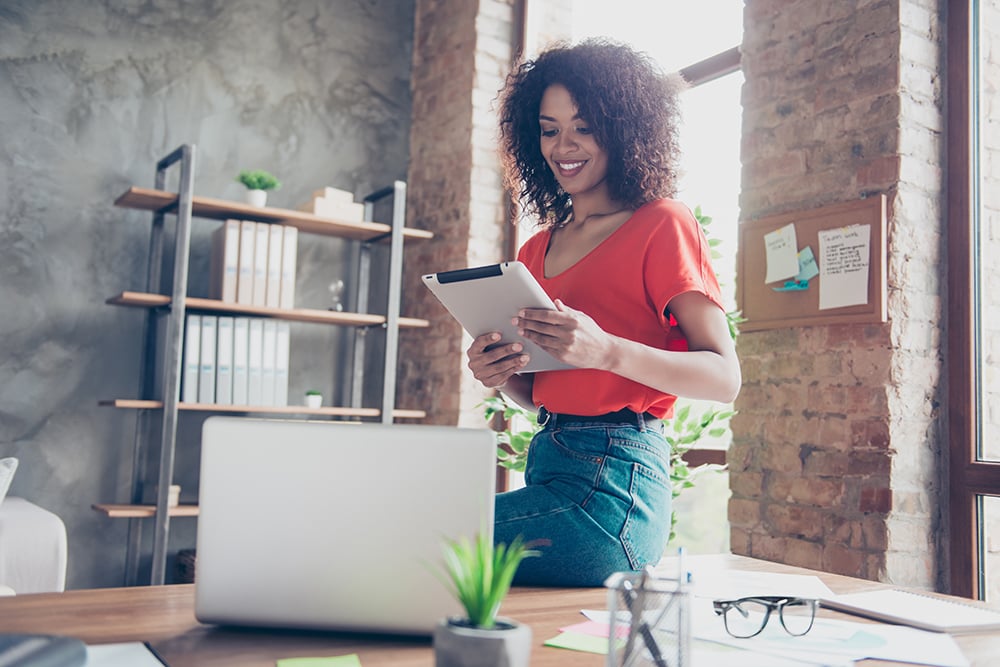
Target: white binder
{"x": 289, "y": 259}
{"x": 244, "y": 285}
{"x": 192, "y": 359}
{"x": 272, "y": 296}
{"x": 241, "y": 358}
{"x": 206, "y": 377}
{"x": 260, "y": 264}
{"x": 255, "y": 356}
{"x": 283, "y": 348}
{"x": 224, "y": 361}
{"x": 267, "y": 365}
{"x": 225, "y": 261}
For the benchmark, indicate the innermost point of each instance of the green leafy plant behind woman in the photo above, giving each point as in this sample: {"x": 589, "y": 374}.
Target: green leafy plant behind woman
{"x": 258, "y": 179}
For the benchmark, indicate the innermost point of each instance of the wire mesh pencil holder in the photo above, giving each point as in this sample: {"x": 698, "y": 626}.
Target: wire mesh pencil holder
{"x": 650, "y": 621}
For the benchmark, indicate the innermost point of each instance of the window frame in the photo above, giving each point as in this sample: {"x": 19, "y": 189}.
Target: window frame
{"x": 968, "y": 477}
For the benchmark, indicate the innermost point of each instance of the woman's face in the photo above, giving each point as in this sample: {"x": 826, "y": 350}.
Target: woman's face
{"x": 568, "y": 145}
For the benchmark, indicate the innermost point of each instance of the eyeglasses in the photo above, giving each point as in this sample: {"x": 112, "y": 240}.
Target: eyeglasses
{"x": 746, "y": 617}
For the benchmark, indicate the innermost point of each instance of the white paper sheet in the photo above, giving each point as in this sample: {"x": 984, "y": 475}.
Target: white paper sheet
{"x": 126, "y": 654}
{"x": 844, "y": 263}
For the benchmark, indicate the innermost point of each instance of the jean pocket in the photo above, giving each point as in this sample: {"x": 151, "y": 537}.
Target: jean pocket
{"x": 647, "y": 523}
{"x": 572, "y": 473}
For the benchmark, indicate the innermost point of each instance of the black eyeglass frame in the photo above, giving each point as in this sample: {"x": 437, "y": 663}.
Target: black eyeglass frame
{"x": 772, "y": 602}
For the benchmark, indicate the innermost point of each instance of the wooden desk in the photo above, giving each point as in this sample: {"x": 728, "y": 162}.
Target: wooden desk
{"x": 164, "y": 616}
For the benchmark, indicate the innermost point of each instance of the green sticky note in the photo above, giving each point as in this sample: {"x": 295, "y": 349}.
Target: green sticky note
{"x": 578, "y": 642}
{"x": 350, "y": 660}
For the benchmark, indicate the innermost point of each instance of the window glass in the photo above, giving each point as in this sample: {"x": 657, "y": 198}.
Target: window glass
{"x": 988, "y": 229}
{"x": 677, "y": 33}
{"x": 989, "y": 546}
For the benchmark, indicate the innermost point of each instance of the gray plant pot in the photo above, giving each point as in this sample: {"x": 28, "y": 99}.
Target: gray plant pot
{"x": 456, "y": 644}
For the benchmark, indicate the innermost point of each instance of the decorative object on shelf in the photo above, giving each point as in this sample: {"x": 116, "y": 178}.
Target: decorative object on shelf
{"x": 314, "y": 399}
{"x": 480, "y": 574}
{"x": 174, "y": 495}
{"x": 336, "y": 296}
{"x": 335, "y": 203}
{"x": 258, "y": 182}
{"x": 186, "y": 563}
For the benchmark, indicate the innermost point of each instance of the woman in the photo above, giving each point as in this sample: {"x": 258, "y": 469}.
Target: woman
{"x": 589, "y": 134}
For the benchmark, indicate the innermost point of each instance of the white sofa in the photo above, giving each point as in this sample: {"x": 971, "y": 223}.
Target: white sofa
{"x": 32, "y": 548}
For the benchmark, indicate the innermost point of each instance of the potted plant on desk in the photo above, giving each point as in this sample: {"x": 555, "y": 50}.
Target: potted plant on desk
{"x": 480, "y": 574}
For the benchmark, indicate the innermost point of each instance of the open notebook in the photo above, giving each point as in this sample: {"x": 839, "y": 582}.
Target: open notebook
{"x": 917, "y": 610}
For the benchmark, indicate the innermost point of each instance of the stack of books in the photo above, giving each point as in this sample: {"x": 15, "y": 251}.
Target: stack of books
{"x": 235, "y": 361}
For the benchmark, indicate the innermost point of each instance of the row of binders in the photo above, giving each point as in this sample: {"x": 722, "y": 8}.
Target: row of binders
{"x": 235, "y": 361}
{"x": 253, "y": 263}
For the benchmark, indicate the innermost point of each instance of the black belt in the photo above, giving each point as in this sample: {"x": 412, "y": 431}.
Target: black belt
{"x": 623, "y": 416}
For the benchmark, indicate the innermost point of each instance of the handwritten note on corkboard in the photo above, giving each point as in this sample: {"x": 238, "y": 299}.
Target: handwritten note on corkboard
{"x": 838, "y": 237}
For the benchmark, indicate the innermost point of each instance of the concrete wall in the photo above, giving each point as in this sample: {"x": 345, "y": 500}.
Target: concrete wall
{"x": 91, "y": 95}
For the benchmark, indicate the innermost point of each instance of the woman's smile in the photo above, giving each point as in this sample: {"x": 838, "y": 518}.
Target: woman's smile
{"x": 570, "y": 169}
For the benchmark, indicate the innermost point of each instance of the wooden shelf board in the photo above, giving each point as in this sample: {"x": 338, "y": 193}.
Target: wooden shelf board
{"x": 115, "y": 511}
{"x": 140, "y": 404}
{"x": 146, "y": 300}
{"x": 145, "y": 199}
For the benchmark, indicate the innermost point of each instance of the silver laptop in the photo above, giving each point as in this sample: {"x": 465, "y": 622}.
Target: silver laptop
{"x": 336, "y": 526}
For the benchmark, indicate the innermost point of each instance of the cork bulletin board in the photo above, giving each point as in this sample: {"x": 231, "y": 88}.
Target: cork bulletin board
{"x": 766, "y": 308}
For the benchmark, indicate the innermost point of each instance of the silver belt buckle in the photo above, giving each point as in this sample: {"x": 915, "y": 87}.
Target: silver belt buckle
{"x": 543, "y": 416}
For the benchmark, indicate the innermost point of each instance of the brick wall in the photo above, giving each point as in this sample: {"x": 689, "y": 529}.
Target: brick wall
{"x": 837, "y": 450}
{"x": 462, "y": 51}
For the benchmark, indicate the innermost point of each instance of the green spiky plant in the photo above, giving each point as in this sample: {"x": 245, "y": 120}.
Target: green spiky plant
{"x": 480, "y": 574}
{"x": 258, "y": 179}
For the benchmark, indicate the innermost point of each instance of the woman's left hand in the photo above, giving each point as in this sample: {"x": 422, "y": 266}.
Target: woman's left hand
{"x": 567, "y": 334}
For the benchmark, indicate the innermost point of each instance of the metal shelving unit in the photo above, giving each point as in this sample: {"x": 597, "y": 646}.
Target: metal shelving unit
{"x": 183, "y": 206}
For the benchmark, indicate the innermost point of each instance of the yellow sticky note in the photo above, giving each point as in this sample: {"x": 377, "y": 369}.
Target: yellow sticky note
{"x": 579, "y": 642}
{"x": 350, "y": 660}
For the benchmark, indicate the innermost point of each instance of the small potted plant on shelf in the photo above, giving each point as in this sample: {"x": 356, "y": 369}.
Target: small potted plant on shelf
{"x": 314, "y": 398}
{"x": 257, "y": 182}
{"x": 480, "y": 574}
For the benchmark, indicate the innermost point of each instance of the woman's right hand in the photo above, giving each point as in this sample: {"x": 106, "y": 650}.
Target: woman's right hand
{"x": 493, "y": 366}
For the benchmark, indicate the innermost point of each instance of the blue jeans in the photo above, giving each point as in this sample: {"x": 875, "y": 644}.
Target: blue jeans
{"x": 597, "y": 499}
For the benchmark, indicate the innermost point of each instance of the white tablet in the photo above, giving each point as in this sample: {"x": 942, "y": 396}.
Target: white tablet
{"x": 487, "y": 298}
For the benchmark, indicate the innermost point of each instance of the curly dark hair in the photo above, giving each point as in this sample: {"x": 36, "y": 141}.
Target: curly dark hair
{"x": 631, "y": 106}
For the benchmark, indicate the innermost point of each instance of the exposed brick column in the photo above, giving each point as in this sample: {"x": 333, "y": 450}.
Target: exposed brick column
{"x": 836, "y": 457}
{"x": 462, "y": 51}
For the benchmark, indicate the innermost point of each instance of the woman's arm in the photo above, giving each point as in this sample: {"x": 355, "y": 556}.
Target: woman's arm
{"x": 708, "y": 370}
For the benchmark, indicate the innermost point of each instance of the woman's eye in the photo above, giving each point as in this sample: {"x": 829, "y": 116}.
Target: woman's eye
{"x": 583, "y": 130}
{"x": 548, "y": 133}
